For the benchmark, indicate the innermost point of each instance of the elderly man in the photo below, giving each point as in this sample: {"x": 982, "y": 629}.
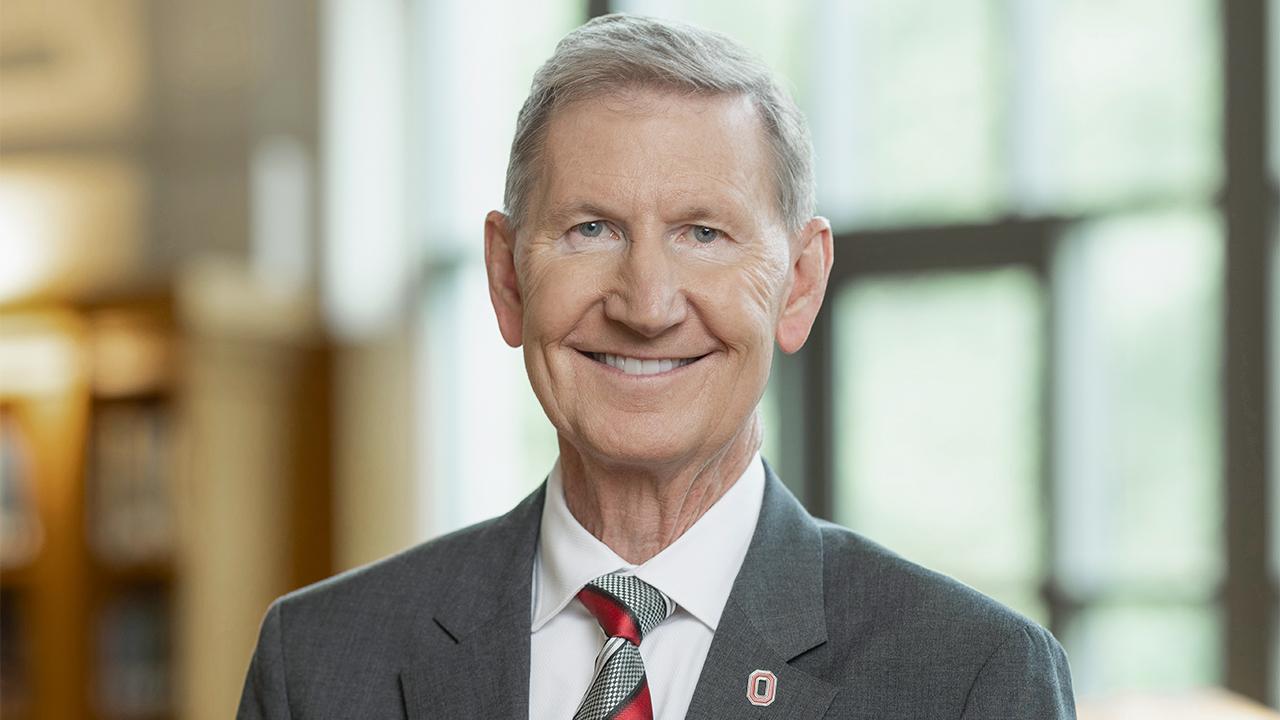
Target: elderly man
{"x": 658, "y": 239}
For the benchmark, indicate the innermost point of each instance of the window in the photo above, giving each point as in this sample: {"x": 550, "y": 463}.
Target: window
{"x": 938, "y": 423}
{"x": 1023, "y": 333}
{"x": 1017, "y": 378}
{"x": 1140, "y": 537}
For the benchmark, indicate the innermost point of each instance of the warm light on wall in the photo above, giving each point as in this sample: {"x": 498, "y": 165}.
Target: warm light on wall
{"x": 129, "y": 354}
{"x": 39, "y": 354}
{"x": 68, "y": 225}
{"x": 30, "y": 228}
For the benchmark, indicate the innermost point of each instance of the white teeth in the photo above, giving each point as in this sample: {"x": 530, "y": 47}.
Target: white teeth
{"x": 636, "y": 366}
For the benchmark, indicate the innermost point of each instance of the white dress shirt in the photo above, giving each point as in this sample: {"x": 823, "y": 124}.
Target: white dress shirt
{"x": 696, "y": 571}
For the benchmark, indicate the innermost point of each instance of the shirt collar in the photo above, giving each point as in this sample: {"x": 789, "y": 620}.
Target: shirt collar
{"x": 696, "y": 571}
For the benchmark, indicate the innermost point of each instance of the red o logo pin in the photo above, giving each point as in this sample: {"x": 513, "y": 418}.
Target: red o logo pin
{"x": 762, "y": 686}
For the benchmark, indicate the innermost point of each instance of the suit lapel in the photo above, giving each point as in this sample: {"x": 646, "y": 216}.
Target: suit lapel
{"x": 775, "y": 613}
{"x": 470, "y": 658}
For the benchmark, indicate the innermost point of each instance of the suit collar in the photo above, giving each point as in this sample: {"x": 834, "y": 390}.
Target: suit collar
{"x": 469, "y": 656}
{"x": 498, "y": 576}
{"x": 780, "y": 586}
{"x": 776, "y": 612}
{"x": 480, "y": 633}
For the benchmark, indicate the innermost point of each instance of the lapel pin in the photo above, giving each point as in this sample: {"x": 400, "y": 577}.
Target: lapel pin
{"x": 762, "y": 686}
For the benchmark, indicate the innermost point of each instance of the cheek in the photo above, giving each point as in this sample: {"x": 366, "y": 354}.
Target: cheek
{"x": 557, "y": 293}
{"x": 742, "y": 299}
{"x": 556, "y": 300}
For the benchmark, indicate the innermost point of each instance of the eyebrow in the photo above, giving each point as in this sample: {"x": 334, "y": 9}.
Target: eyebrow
{"x": 700, "y": 212}
{"x": 562, "y": 213}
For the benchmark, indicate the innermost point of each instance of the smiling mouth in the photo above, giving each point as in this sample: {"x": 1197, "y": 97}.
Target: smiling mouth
{"x": 638, "y": 366}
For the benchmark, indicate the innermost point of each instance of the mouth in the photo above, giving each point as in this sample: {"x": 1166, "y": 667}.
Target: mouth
{"x": 641, "y": 366}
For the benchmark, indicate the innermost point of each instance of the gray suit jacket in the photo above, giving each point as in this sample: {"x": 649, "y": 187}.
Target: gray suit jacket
{"x": 850, "y": 630}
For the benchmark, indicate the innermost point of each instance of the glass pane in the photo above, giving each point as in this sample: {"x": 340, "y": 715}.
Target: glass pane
{"x": 771, "y": 417}
{"x": 904, "y": 97}
{"x": 787, "y": 420}
{"x": 477, "y": 398}
{"x": 774, "y": 29}
{"x": 926, "y": 112}
{"x": 1126, "y": 647}
{"x": 908, "y": 122}
{"x": 1139, "y": 305}
{"x": 938, "y": 423}
{"x": 1128, "y": 99}
{"x": 907, "y": 111}
{"x": 471, "y": 65}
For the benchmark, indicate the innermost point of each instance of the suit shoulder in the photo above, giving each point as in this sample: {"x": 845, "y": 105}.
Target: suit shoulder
{"x": 898, "y": 593}
{"x": 420, "y": 572}
{"x": 355, "y": 629}
{"x": 927, "y": 645}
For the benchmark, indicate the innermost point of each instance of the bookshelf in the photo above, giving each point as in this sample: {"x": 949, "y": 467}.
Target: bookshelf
{"x": 44, "y": 584}
{"x": 163, "y": 476}
{"x": 129, "y": 483}
{"x": 86, "y": 497}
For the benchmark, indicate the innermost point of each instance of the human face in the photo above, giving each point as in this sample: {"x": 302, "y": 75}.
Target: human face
{"x": 651, "y": 277}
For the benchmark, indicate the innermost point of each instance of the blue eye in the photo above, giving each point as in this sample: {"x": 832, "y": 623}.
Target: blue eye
{"x": 705, "y": 235}
{"x": 590, "y": 229}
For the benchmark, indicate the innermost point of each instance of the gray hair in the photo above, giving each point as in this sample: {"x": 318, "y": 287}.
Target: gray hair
{"x": 617, "y": 52}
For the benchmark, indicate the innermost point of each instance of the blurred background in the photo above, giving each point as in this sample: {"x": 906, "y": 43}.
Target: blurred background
{"x": 246, "y": 341}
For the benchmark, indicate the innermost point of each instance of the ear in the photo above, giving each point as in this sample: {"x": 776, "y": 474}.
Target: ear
{"x": 504, "y": 288}
{"x": 811, "y": 266}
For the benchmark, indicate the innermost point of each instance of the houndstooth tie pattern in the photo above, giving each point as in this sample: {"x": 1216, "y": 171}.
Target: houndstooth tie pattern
{"x": 627, "y": 608}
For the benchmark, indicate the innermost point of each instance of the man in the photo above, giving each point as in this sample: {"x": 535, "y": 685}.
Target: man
{"x": 658, "y": 239}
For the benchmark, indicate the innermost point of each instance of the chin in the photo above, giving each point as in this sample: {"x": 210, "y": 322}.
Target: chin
{"x": 653, "y": 441}
{"x": 656, "y": 442}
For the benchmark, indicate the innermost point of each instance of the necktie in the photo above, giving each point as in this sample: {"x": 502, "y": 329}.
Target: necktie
{"x": 627, "y": 609}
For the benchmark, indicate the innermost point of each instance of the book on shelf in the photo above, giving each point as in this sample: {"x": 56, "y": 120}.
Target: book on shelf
{"x": 129, "y": 491}
{"x": 133, "y": 671}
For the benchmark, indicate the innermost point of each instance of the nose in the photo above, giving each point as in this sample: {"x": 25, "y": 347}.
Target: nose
{"x": 648, "y": 296}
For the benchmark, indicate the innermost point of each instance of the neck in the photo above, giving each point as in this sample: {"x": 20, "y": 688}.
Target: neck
{"x": 637, "y": 510}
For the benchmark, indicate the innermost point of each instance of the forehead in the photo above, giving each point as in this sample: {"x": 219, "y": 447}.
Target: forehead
{"x": 654, "y": 150}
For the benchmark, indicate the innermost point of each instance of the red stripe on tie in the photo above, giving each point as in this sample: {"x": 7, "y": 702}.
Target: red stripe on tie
{"x": 639, "y": 707}
{"x": 614, "y": 619}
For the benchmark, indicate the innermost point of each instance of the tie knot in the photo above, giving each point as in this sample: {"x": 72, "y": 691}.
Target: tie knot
{"x": 625, "y": 606}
